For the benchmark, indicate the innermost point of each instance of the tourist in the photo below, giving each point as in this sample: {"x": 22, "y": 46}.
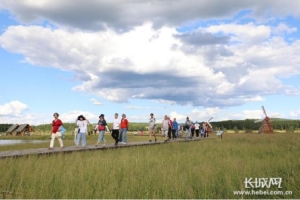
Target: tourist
{"x": 170, "y": 128}
{"x": 165, "y": 127}
{"x": 101, "y": 127}
{"x": 124, "y": 128}
{"x": 56, "y": 123}
{"x": 197, "y": 126}
{"x": 204, "y": 129}
{"x": 175, "y": 129}
{"x": 207, "y": 129}
{"x": 82, "y": 124}
{"x": 152, "y": 126}
{"x": 192, "y": 130}
{"x": 178, "y": 131}
{"x": 188, "y": 125}
{"x": 115, "y": 126}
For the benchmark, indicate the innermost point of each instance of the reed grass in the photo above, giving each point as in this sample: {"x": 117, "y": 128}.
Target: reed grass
{"x": 203, "y": 169}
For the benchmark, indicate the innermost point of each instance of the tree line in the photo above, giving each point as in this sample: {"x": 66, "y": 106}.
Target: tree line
{"x": 277, "y": 124}
{"x": 4, "y": 127}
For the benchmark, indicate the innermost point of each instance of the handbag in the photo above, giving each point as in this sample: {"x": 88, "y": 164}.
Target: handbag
{"x": 62, "y": 130}
{"x": 101, "y": 128}
{"x": 58, "y": 134}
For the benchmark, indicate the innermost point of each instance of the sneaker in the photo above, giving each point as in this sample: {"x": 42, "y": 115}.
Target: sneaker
{"x": 104, "y": 145}
{"x": 50, "y": 148}
{"x": 76, "y": 146}
{"x": 150, "y": 140}
{"x": 61, "y": 148}
{"x": 96, "y": 144}
{"x": 124, "y": 143}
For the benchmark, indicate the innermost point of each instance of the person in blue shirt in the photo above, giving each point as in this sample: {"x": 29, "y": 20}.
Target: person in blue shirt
{"x": 174, "y": 129}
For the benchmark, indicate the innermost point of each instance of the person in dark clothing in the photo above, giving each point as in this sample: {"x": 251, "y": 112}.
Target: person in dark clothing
{"x": 115, "y": 127}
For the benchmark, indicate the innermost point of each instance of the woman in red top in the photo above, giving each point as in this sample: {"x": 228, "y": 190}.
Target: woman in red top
{"x": 56, "y": 123}
{"x": 123, "y": 130}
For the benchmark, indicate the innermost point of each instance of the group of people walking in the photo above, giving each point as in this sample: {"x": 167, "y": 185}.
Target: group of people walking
{"x": 119, "y": 127}
{"x": 171, "y": 129}
{"x": 192, "y": 128}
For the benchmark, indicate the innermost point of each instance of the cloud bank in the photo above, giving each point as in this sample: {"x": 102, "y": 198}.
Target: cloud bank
{"x": 123, "y": 50}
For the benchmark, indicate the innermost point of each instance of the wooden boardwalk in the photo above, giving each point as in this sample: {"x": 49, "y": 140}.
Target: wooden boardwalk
{"x": 70, "y": 149}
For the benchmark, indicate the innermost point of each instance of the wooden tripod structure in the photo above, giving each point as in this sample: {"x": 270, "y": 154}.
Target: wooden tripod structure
{"x": 266, "y": 126}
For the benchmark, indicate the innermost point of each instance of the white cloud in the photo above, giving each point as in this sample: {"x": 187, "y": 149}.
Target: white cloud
{"x": 253, "y": 114}
{"x": 163, "y": 101}
{"x": 254, "y": 99}
{"x": 13, "y": 108}
{"x": 196, "y": 115}
{"x": 231, "y": 63}
{"x": 143, "y": 64}
{"x": 71, "y": 116}
{"x": 283, "y": 28}
{"x": 295, "y": 113}
{"x": 245, "y": 33}
{"x": 96, "y": 102}
{"x": 132, "y": 107}
{"x": 125, "y": 15}
{"x": 293, "y": 91}
{"x": 32, "y": 119}
{"x": 139, "y": 118}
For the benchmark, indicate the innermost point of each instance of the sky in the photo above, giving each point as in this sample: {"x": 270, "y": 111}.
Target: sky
{"x": 202, "y": 59}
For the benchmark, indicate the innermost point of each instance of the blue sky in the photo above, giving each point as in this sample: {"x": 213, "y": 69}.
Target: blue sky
{"x": 218, "y": 59}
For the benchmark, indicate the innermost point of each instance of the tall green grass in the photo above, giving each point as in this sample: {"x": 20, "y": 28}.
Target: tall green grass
{"x": 202, "y": 169}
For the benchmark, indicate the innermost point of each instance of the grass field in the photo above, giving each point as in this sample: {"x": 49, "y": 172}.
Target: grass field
{"x": 203, "y": 169}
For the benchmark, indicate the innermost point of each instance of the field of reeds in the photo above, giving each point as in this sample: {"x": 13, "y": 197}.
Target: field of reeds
{"x": 209, "y": 168}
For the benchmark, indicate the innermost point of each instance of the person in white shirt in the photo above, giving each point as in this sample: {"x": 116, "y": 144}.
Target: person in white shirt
{"x": 152, "y": 126}
{"x": 197, "y": 126}
{"x": 82, "y": 124}
{"x": 165, "y": 127}
{"x": 115, "y": 127}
